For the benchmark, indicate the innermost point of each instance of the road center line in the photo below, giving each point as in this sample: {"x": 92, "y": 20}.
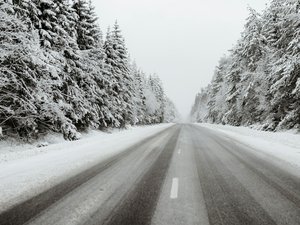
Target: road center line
{"x": 174, "y": 189}
{"x": 179, "y": 151}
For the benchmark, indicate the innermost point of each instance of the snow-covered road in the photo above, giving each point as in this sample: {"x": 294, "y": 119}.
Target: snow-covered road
{"x": 278, "y": 145}
{"x": 26, "y": 173}
{"x": 183, "y": 174}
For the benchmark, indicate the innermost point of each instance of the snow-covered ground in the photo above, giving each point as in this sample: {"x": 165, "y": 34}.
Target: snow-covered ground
{"x": 282, "y": 145}
{"x": 26, "y": 170}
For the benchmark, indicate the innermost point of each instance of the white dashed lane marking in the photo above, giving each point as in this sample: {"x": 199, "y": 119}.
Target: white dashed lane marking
{"x": 174, "y": 188}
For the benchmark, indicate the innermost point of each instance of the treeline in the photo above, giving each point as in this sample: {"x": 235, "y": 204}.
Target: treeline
{"x": 259, "y": 82}
{"x": 57, "y": 73}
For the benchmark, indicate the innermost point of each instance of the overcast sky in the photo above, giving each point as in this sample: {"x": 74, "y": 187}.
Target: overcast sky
{"x": 179, "y": 40}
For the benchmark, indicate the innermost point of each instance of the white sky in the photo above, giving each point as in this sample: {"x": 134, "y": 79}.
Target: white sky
{"x": 179, "y": 40}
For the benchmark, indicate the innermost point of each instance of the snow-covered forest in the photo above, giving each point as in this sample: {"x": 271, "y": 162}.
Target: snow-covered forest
{"x": 59, "y": 73}
{"x": 259, "y": 81}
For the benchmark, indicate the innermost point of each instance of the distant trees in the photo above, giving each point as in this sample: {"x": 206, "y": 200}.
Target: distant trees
{"x": 57, "y": 73}
{"x": 259, "y": 82}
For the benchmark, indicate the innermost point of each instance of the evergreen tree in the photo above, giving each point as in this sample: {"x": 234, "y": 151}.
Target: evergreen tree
{"x": 157, "y": 99}
{"x": 215, "y": 104}
{"x": 57, "y": 74}
{"x": 139, "y": 104}
{"x": 88, "y": 31}
{"x": 262, "y": 78}
{"x": 123, "y": 73}
{"x": 171, "y": 114}
{"x": 121, "y": 88}
{"x": 29, "y": 87}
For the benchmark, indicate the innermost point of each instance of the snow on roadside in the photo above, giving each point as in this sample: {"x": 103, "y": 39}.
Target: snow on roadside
{"x": 10, "y": 149}
{"x": 282, "y": 145}
{"x": 26, "y": 170}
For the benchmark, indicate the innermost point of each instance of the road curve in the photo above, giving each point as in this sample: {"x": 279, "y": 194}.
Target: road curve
{"x": 183, "y": 175}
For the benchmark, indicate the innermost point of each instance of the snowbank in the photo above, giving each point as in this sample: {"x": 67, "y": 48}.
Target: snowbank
{"x": 282, "y": 145}
{"x": 26, "y": 170}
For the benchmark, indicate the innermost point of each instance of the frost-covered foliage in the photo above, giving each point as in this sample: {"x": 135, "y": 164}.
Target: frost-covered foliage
{"x": 150, "y": 103}
{"x": 58, "y": 74}
{"x": 259, "y": 82}
{"x": 171, "y": 114}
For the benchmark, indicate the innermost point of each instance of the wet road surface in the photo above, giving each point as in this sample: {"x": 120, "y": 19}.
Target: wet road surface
{"x": 183, "y": 175}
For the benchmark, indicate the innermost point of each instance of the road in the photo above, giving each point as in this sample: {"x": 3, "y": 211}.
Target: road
{"x": 184, "y": 175}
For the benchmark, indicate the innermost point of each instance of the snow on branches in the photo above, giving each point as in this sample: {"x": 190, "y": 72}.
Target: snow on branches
{"x": 58, "y": 74}
{"x": 258, "y": 83}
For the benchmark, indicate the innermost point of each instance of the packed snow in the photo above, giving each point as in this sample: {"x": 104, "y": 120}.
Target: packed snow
{"x": 28, "y": 170}
{"x": 282, "y": 145}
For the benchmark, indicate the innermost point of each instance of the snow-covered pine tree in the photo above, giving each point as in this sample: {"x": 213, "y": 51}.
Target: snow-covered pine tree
{"x": 88, "y": 31}
{"x": 171, "y": 114}
{"x": 61, "y": 50}
{"x": 262, "y": 79}
{"x": 232, "y": 79}
{"x": 47, "y": 23}
{"x": 217, "y": 95}
{"x": 157, "y": 90}
{"x": 90, "y": 40}
{"x": 28, "y": 10}
{"x": 17, "y": 111}
{"x": 252, "y": 46}
{"x": 29, "y": 88}
{"x": 199, "y": 112}
{"x": 56, "y": 76}
{"x": 113, "y": 102}
{"x": 139, "y": 105}
{"x": 90, "y": 64}
{"x": 118, "y": 68}
{"x": 123, "y": 69}
{"x": 97, "y": 90}
{"x": 253, "y": 52}
{"x": 244, "y": 58}
{"x": 285, "y": 61}
{"x": 94, "y": 29}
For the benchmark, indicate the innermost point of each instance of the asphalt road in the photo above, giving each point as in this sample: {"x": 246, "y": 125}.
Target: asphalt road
{"x": 184, "y": 175}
